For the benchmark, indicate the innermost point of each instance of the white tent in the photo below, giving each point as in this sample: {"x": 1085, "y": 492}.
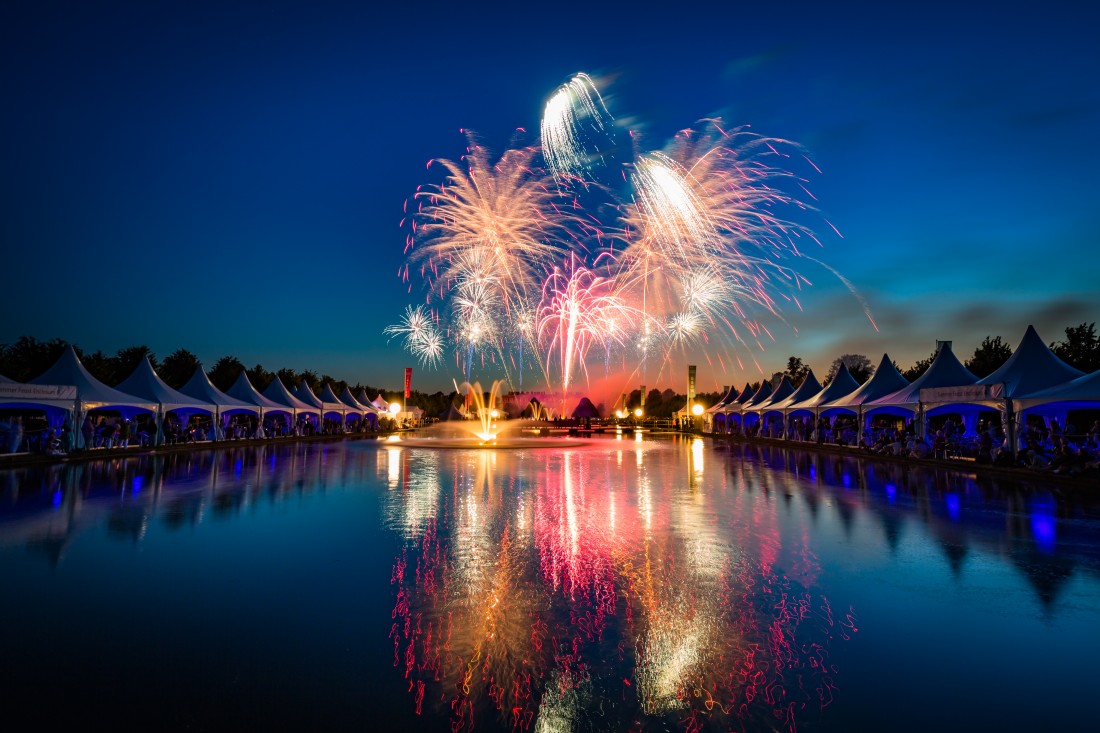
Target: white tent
{"x": 946, "y": 385}
{"x": 884, "y": 382}
{"x": 370, "y": 412}
{"x": 1081, "y": 393}
{"x": 145, "y": 383}
{"x": 5, "y": 380}
{"x": 843, "y": 384}
{"x": 91, "y": 394}
{"x": 334, "y": 405}
{"x": 809, "y": 387}
{"x": 278, "y": 393}
{"x": 201, "y": 388}
{"x": 381, "y": 404}
{"x": 1031, "y": 368}
{"x": 243, "y": 390}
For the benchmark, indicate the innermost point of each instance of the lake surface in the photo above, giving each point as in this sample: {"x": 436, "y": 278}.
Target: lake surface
{"x": 665, "y": 583}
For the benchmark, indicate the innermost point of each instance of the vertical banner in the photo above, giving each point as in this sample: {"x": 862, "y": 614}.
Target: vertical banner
{"x": 691, "y": 385}
{"x": 643, "y": 397}
{"x": 408, "y": 382}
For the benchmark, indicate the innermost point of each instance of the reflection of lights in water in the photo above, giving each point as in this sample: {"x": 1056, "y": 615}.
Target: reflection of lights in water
{"x": 528, "y": 577}
{"x": 393, "y": 468}
{"x": 1043, "y": 524}
{"x": 953, "y": 507}
{"x": 697, "y": 456}
{"x": 891, "y": 493}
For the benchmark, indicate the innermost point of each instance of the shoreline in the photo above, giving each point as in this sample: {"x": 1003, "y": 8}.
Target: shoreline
{"x": 1023, "y": 475}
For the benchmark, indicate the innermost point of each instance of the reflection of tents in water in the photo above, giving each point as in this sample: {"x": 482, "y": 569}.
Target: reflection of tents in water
{"x": 452, "y": 413}
{"x": 586, "y": 410}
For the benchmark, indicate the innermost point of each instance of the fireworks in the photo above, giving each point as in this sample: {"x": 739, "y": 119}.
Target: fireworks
{"x": 421, "y": 338}
{"x": 574, "y": 107}
{"x": 697, "y": 250}
{"x": 577, "y": 306}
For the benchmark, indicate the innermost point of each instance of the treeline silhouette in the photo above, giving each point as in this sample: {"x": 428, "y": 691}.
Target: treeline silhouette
{"x": 28, "y": 357}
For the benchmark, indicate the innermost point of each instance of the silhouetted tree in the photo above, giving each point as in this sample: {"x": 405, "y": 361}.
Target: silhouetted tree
{"x": 225, "y": 372}
{"x": 28, "y": 357}
{"x": 859, "y": 366}
{"x": 1081, "y": 348}
{"x": 100, "y": 366}
{"x": 125, "y": 361}
{"x": 260, "y": 377}
{"x": 988, "y": 357}
{"x": 918, "y": 369}
{"x": 178, "y": 367}
{"x": 796, "y": 370}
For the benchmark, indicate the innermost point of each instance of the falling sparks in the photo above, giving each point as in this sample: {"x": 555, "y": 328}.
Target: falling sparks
{"x": 574, "y": 108}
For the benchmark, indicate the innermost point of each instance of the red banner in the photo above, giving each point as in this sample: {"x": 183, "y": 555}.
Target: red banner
{"x": 408, "y": 382}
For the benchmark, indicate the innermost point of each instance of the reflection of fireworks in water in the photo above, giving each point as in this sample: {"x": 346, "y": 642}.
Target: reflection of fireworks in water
{"x": 541, "y": 606}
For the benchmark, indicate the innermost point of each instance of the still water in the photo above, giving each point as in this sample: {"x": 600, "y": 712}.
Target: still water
{"x": 657, "y": 584}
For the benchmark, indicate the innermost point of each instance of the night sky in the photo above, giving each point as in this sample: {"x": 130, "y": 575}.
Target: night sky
{"x": 230, "y": 180}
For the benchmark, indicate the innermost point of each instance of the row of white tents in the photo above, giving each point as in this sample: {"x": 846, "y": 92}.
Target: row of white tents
{"x": 1032, "y": 381}
{"x": 67, "y": 392}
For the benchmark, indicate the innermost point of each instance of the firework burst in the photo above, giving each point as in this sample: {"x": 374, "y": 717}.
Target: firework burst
{"x": 575, "y": 109}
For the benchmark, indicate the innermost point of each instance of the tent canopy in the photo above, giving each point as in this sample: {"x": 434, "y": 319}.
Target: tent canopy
{"x": 843, "y": 384}
{"x": 201, "y": 388}
{"x": 1081, "y": 393}
{"x": 946, "y": 371}
{"x": 280, "y": 395}
{"x": 781, "y": 393}
{"x": 809, "y": 387}
{"x": 760, "y": 395}
{"x": 1031, "y": 368}
{"x": 243, "y": 390}
{"x": 92, "y": 393}
{"x": 305, "y": 394}
{"x": 585, "y": 409}
{"x": 145, "y": 383}
{"x": 885, "y": 381}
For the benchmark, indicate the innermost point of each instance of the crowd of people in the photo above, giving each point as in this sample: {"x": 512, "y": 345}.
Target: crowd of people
{"x": 1040, "y": 445}
{"x": 110, "y": 431}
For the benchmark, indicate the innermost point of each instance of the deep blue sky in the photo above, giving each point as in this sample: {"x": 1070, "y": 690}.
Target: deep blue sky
{"x": 231, "y": 180}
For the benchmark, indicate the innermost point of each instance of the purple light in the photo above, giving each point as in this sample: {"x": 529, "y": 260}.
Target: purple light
{"x": 953, "y": 507}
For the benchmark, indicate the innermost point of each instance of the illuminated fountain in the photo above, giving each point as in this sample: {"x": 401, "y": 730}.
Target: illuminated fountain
{"x": 484, "y": 430}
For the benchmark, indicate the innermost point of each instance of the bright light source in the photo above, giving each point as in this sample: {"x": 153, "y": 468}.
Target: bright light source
{"x": 395, "y": 408}
{"x": 696, "y": 409}
{"x": 494, "y": 414}
{"x": 619, "y": 414}
{"x": 637, "y": 412}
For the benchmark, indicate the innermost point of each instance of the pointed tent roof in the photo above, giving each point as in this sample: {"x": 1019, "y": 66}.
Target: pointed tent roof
{"x": 739, "y": 403}
{"x": 332, "y": 403}
{"x": 145, "y": 383}
{"x": 781, "y": 393}
{"x": 362, "y": 398}
{"x": 761, "y": 394}
{"x": 381, "y": 403}
{"x": 243, "y": 390}
{"x": 452, "y": 413}
{"x": 809, "y": 387}
{"x": 366, "y": 407}
{"x": 843, "y": 384}
{"x": 349, "y": 399}
{"x": 93, "y": 394}
{"x": 946, "y": 371}
{"x": 1032, "y": 368}
{"x": 201, "y": 388}
{"x": 730, "y": 396}
{"x": 5, "y": 380}
{"x": 305, "y": 394}
{"x": 1083, "y": 390}
{"x": 585, "y": 408}
{"x": 280, "y": 395}
{"x": 885, "y": 381}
